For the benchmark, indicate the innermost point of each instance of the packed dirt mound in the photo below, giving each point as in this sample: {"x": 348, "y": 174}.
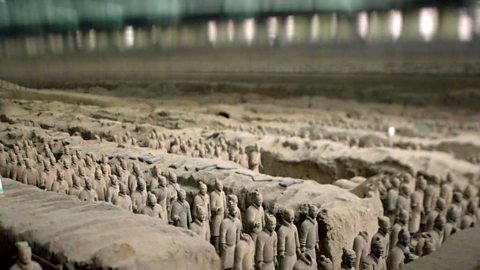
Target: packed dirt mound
{"x": 84, "y": 235}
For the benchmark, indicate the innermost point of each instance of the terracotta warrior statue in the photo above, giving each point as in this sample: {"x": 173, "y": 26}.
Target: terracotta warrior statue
{"x": 47, "y": 176}
{"x": 401, "y": 223}
{"x": 288, "y": 242}
{"x": 99, "y": 185}
{"x": 88, "y": 193}
{"x": 375, "y": 259}
{"x": 391, "y": 202}
{"x": 139, "y": 197}
{"x": 60, "y": 185}
{"x": 11, "y": 165}
{"x": 67, "y": 172}
{"x": 230, "y": 230}
{"x": 133, "y": 178}
{"x": 348, "y": 260}
{"x": 397, "y": 255}
{"x": 244, "y": 253}
{"x": 218, "y": 207}
{"x": 309, "y": 235}
{"x": 180, "y": 214}
{"x": 403, "y": 200}
{"x": 232, "y": 199}
{"x": 24, "y": 260}
{"x": 255, "y": 215}
{"x": 202, "y": 200}
{"x": 19, "y": 169}
{"x": 446, "y": 189}
{"x": 152, "y": 209}
{"x": 451, "y": 226}
{"x": 417, "y": 206}
{"x": 434, "y": 213}
{"x": 266, "y": 245}
{"x": 123, "y": 172}
{"x": 200, "y": 224}
{"x": 360, "y": 247}
{"x": 243, "y": 158}
{"x": 255, "y": 161}
{"x": 325, "y": 263}
{"x": 383, "y": 234}
{"x": 113, "y": 189}
{"x": 161, "y": 194}
{"x": 75, "y": 189}
{"x": 31, "y": 176}
{"x": 123, "y": 200}
{"x": 172, "y": 188}
{"x": 3, "y": 161}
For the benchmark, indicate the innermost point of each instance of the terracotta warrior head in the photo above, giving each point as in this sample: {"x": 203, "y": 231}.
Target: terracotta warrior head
{"x": 288, "y": 215}
{"x": 88, "y": 184}
{"x": 312, "y": 211}
{"x": 348, "y": 258}
{"x": 257, "y": 198}
{"x": 270, "y": 223}
{"x": 113, "y": 180}
{"x": 200, "y": 214}
{"x": 24, "y": 253}
{"x": 384, "y": 224}
{"x": 151, "y": 200}
{"x": 218, "y": 185}
{"x": 202, "y": 188}
{"x": 181, "y": 194}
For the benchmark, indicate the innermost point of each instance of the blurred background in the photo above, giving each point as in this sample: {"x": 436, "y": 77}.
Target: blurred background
{"x": 64, "y": 43}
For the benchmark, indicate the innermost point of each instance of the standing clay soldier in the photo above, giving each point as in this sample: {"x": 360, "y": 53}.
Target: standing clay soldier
{"x": 12, "y": 165}
{"x": 75, "y": 189}
{"x": 202, "y": 200}
{"x": 266, "y": 245}
{"x": 244, "y": 253}
{"x": 180, "y": 214}
{"x": 400, "y": 224}
{"x": 48, "y": 176}
{"x": 433, "y": 214}
{"x": 432, "y": 193}
{"x": 172, "y": 188}
{"x": 80, "y": 161}
{"x": 89, "y": 168}
{"x": 255, "y": 161}
{"x": 24, "y": 260}
{"x": 309, "y": 235}
{"x": 437, "y": 232}
{"x": 123, "y": 172}
{"x": 88, "y": 194}
{"x": 417, "y": 206}
{"x": 123, "y": 200}
{"x": 152, "y": 183}
{"x": 446, "y": 190}
{"x": 230, "y": 230}
{"x": 200, "y": 225}
{"x": 161, "y": 194}
{"x": 383, "y": 234}
{"x": 255, "y": 216}
{"x": 31, "y": 176}
{"x": 403, "y": 200}
{"x": 243, "y": 158}
{"x": 451, "y": 225}
{"x": 67, "y": 172}
{"x": 139, "y": 197}
{"x": 19, "y": 170}
{"x": 100, "y": 186}
{"x": 133, "y": 178}
{"x": 348, "y": 260}
{"x": 218, "y": 207}
{"x": 60, "y": 185}
{"x": 469, "y": 219}
{"x": 398, "y": 254}
{"x": 288, "y": 242}
{"x": 152, "y": 209}
{"x": 232, "y": 199}
{"x": 360, "y": 247}
{"x": 375, "y": 259}
{"x": 113, "y": 189}
{"x": 75, "y": 165}
{"x": 391, "y": 203}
